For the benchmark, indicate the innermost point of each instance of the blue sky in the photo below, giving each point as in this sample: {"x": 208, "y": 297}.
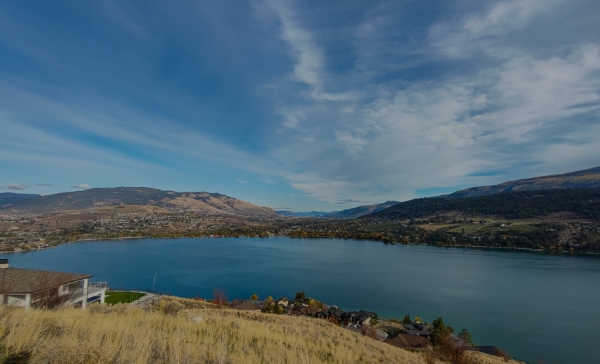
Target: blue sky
{"x": 307, "y": 105}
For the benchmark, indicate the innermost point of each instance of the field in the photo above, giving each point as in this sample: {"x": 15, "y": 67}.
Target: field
{"x": 121, "y": 334}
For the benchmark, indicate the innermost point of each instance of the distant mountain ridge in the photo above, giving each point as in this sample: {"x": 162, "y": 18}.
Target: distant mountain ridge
{"x": 199, "y": 202}
{"x": 360, "y": 211}
{"x": 10, "y": 198}
{"x": 344, "y": 214}
{"x": 587, "y": 178}
{"x": 584, "y": 202}
{"x": 302, "y": 213}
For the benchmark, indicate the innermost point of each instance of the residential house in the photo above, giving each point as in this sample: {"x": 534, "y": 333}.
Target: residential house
{"x": 359, "y": 317}
{"x": 416, "y": 329}
{"x": 306, "y": 311}
{"x": 407, "y": 341}
{"x": 247, "y": 305}
{"x": 29, "y": 287}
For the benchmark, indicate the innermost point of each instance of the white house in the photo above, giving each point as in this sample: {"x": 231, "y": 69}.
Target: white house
{"x": 28, "y": 287}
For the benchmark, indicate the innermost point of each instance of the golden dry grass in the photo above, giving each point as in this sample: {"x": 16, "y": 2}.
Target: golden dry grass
{"x": 122, "y": 334}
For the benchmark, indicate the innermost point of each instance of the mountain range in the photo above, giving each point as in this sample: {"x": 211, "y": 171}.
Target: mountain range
{"x": 218, "y": 204}
{"x": 198, "y": 202}
{"x": 587, "y": 178}
{"x": 352, "y": 213}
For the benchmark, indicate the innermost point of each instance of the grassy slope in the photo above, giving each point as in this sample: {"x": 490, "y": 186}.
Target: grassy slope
{"x": 120, "y": 334}
{"x": 123, "y": 335}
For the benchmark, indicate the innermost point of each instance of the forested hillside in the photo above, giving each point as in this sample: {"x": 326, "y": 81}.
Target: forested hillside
{"x": 510, "y": 205}
{"x": 587, "y": 178}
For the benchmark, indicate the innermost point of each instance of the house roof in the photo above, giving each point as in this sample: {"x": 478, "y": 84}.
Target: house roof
{"x": 15, "y": 280}
{"x": 417, "y": 332}
{"x": 336, "y": 311}
{"x": 407, "y": 341}
{"x": 246, "y": 305}
{"x": 307, "y": 310}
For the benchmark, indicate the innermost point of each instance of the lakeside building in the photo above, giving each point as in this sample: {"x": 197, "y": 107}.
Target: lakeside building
{"x": 38, "y": 288}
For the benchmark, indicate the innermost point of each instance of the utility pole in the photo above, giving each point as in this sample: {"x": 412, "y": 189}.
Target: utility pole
{"x": 153, "y": 283}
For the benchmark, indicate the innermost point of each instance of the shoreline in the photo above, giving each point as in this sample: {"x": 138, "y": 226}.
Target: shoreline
{"x": 481, "y": 247}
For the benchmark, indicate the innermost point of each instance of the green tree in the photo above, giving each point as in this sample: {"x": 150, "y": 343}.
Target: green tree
{"x": 465, "y": 336}
{"x": 439, "y": 332}
{"x": 375, "y": 319}
{"x": 254, "y": 297}
{"x": 300, "y": 296}
{"x": 406, "y": 319}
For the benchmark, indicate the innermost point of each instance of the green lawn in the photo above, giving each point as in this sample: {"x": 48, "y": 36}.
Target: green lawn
{"x": 113, "y": 297}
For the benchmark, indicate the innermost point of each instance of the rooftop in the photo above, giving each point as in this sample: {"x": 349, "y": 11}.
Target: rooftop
{"x": 15, "y": 280}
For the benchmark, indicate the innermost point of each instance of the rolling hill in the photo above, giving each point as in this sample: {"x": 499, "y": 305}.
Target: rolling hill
{"x": 587, "y": 178}
{"x": 584, "y": 202}
{"x": 198, "y": 202}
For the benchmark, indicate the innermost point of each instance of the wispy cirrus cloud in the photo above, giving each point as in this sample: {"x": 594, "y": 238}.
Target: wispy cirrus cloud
{"x": 353, "y": 102}
{"x": 518, "y": 101}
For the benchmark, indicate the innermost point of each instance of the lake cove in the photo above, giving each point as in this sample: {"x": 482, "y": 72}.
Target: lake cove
{"x": 536, "y": 306}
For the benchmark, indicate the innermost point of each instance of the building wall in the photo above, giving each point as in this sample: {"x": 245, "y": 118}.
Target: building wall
{"x": 17, "y": 300}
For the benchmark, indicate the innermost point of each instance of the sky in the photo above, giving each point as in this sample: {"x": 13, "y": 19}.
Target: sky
{"x": 301, "y": 105}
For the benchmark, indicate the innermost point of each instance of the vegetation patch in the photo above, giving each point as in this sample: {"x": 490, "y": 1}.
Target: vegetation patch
{"x": 113, "y": 297}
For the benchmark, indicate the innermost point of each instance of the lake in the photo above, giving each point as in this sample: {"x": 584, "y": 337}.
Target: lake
{"x": 536, "y": 306}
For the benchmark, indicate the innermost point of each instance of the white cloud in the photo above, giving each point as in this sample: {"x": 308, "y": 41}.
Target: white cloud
{"x": 308, "y": 56}
{"x": 83, "y": 186}
{"x": 349, "y": 142}
{"x": 320, "y": 189}
{"x": 16, "y": 186}
{"x": 239, "y": 180}
{"x": 484, "y": 32}
{"x": 437, "y": 134}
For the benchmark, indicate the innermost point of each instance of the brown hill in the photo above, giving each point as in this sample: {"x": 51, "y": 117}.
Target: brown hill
{"x": 199, "y": 202}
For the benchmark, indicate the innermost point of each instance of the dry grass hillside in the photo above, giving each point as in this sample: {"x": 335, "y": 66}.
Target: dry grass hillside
{"x": 197, "y": 202}
{"x": 121, "y": 334}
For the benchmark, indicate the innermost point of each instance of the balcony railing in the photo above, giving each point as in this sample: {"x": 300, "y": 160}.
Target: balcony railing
{"x": 92, "y": 289}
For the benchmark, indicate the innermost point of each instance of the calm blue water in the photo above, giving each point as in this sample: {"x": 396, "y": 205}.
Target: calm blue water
{"x": 536, "y": 306}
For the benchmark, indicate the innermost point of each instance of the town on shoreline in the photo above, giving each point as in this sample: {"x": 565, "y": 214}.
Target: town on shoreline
{"x": 26, "y": 233}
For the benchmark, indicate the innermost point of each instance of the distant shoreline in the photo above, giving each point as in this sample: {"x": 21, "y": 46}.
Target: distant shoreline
{"x": 481, "y": 247}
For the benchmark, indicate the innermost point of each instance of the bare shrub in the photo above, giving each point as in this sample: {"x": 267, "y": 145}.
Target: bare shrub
{"x": 369, "y": 331}
{"x": 219, "y": 298}
{"x": 430, "y": 357}
{"x": 168, "y": 307}
{"x": 453, "y": 353}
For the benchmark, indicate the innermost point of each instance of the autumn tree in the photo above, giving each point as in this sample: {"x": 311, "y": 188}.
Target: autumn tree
{"x": 219, "y": 298}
